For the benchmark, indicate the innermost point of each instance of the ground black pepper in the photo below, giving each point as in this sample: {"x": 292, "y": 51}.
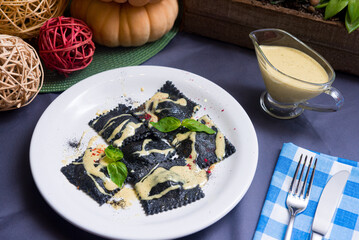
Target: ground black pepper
{"x": 73, "y": 143}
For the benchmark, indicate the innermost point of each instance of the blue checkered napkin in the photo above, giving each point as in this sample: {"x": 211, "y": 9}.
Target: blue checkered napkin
{"x": 275, "y": 216}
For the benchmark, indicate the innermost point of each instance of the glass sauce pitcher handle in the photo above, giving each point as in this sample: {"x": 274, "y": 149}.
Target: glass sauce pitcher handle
{"x": 335, "y": 94}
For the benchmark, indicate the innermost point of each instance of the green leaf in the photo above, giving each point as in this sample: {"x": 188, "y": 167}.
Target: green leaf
{"x": 351, "y": 26}
{"x": 118, "y": 172}
{"x": 321, "y": 5}
{"x": 113, "y": 153}
{"x": 196, "y": 126}
{"x": 334, "y": 7}
{"x": 167, "y": 124}
{"x": 353, "y": 10}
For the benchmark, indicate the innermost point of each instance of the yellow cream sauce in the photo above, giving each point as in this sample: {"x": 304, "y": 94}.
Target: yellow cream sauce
{"x": 92, "y": 158}
{"x": 294, "y": 64}
{"x": 189, "y": 176}
{"x": 152, "y": 103}
{"x": 144, "y": 152}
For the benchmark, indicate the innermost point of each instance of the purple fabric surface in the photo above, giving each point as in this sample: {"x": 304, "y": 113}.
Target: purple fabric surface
{"x": 24, "y": 214}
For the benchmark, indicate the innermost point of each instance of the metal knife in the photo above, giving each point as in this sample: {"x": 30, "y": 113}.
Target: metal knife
{"x": 328, "y": 203}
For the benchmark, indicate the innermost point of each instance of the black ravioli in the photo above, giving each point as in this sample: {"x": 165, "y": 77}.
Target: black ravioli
{"x": 170, "y": 136}
{"x": 169, "y": 108}
{"x": 131, "y": 150}
{"x": 205, "y": 147}
{"x": 99, "y": 122}
{"x": 76, "y": 174}
{"x": 173, "y": 199}
{"x": 108, "y": 122}
{"x": 163, "y": 186}
{"x": 139, "y": 166}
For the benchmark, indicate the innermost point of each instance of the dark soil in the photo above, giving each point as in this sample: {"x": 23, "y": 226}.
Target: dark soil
{"x": 299, "y": 5}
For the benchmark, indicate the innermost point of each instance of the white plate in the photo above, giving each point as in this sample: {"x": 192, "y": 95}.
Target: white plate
{"x": 66, "y": 119}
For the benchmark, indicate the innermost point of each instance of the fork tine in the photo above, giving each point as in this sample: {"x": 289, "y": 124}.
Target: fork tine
{"x": 311, "y": 179}
{"x": 301, "y": 175}
{"x": 306, "y": 177}
{"x": 295, "y": 174}
{"x": 296, "y": 204}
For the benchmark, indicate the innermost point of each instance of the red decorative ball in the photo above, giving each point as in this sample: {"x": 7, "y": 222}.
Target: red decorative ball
{"x": 65, "y": 44}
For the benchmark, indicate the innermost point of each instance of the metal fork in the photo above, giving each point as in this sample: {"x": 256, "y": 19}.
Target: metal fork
{"x": 298, "y": 198}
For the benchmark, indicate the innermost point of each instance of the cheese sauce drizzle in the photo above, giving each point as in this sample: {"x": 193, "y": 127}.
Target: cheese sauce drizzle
{"x": 178, "y": 174}
{"x": 110, "y": 121}
{"x": 220, "y": 142}
{"x": 145, "y": 152}
{"x": 89, "y": 160}
{"x": 129, "y": 131}
{"x": 152, "y": 103}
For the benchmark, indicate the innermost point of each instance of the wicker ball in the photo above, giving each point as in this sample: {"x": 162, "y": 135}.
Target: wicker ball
{"x": 21, "y": 73}
{"x": 24, "y": 18}
{"x": 65, "y": 44}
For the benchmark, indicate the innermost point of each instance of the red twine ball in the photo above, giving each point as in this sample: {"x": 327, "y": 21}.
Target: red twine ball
{"x": 65, "y": 44}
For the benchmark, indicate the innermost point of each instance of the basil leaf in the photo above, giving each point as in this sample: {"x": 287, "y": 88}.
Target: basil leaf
{"x": 351, "y": 26}
{"x": 118, "y": 172}
{"x": 196, "y": 126}
{"x": 167, "y": 124}
{"x": 353, "y": 10}
{"x": 334, "y": 7}
{"x": 108, "y": 160}
{"x": 113, "y": 153}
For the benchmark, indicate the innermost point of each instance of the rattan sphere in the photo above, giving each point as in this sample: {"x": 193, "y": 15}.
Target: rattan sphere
{"x": 21, "y": 73}
{"x": 65, "y": 44}
{"x": 23, "y": 18}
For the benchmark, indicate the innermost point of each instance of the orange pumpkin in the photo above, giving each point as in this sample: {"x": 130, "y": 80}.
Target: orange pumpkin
{"x": 121, "y": 24}
{"x": 136, "y": 3}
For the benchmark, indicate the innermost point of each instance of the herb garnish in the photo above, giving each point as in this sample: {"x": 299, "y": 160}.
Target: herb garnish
{"x": 113, "y": 153}
{"x": 115, "y": 168}
{"x": 169, "y": 124}
{"x": 195, "y": 126}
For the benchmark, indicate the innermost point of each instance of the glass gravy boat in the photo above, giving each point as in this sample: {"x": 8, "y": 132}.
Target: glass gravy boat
{"x": 286, "y": 96}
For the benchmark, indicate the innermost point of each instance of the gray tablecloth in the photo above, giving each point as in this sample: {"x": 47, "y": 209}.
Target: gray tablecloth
{"x": 24, "y": 214}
